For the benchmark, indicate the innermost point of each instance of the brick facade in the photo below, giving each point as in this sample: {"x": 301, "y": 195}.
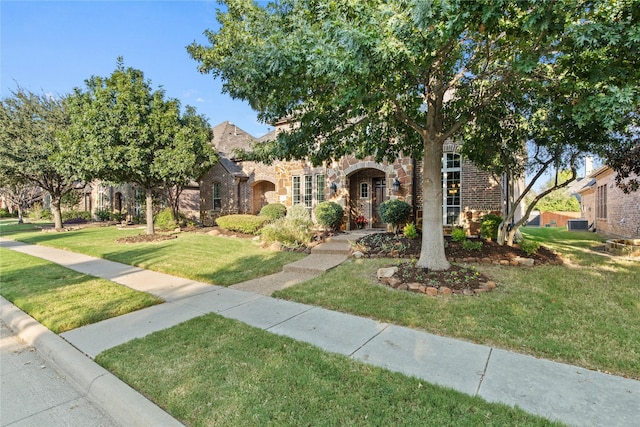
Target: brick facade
{"x": 612, "y": 212}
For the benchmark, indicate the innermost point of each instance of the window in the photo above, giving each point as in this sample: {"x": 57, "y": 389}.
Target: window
{"x": 451, "y": 202}
{"x": 103, "y": 198}
{"x": 601, "y": 202}
{"x": 364, "y": 190}
{"x": 308, "y": 191}
{"x": 216, "y": 196}
{"x": 319, "y": 188}
{"x": 296, "y": 191}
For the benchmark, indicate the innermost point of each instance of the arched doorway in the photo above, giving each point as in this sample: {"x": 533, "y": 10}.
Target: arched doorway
{"x": 367, "y": 190}
{"x": 264, "y": 192}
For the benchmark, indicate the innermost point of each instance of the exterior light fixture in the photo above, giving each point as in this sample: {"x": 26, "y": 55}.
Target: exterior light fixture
{"x": 333, "y": 188}
{"x": 396, "y": 185}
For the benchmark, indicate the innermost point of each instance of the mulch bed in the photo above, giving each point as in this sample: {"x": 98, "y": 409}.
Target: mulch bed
{"x": 459, "y": 279}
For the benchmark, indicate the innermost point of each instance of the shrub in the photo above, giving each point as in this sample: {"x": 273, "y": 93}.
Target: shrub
{"x": 37, "y": 212}
{"x": 329, "y": 215}
{"x": 300, "y": 215}
{"x": 164, "y": 220}
{"x": 395, "y": 212}
{"x": 248, "y": 224}
{"x": 118, "y": 216}
{"x": 103, "y": 215}
{"x": 287, "y": 231}
{"x": 472, "y": 245}
{"x": 76, "y": 216}
{"x": 458, "y": 234}
{"x": 410, "y": 231}
{"x": 274, "y": 211}
{"x": 4, "y": 213}
{"x": 489, "y": 226}
{"x": 529, "y": 246}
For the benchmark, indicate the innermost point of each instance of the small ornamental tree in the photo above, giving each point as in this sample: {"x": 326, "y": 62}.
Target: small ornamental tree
{"x": 395, "y": 212}
{"x": 30, "y": 126}
{"x": 124, "y": 132}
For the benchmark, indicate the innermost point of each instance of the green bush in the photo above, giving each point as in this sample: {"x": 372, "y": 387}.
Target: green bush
{"x": 75, "y": 215}
{"x": 4, "y": 213}
{"x": 489, "y": 226}
{"x": 103, "y": 215}
{"x": 248, "y": 224}
{"x": 300, "y": 215}
{"x": 329, "y": 215}
{"x": 410, "y": 231}
{"x": 458, "y": 234}
{"x": 118, "y": 216}
{"x": 274, "y": 211}
{"x": 395, "y": 212}
{"x": 289, "y": 232}
{"x": 164, "y": 220}
{"x": 472, "y": 245}
{"x": 37, "y": 212}
{"x": 529, "y": 246}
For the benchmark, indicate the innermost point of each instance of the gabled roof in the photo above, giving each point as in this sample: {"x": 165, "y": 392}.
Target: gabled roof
{"x": 228, "y": 137}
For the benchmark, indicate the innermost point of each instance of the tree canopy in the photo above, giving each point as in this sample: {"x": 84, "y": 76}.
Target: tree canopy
{"x": 30, "y": 125}
{"x": 122, "y": 131}
{"x": 379, "y": 78}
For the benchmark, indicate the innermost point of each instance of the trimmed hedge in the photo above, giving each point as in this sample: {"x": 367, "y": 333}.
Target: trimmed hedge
{"x": 76, "y": 217}
{"x": 329, "y": 215}
{"x": 274, "y": 211}
{"x": 395, "y": 212}
{"x": 248, "y": 224}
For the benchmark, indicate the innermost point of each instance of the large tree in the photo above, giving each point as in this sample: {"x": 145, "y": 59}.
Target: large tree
{"x": 124, "y": 132}
{"x": 353, "y": 75}
{"x": 30, "y": 125}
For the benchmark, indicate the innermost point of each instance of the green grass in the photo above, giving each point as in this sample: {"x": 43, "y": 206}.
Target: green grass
{"x": 215, "y": 371}
{"x": 584, "y": 314}
{"x": 62, "y": 299}
{"x": 217, "y": 260}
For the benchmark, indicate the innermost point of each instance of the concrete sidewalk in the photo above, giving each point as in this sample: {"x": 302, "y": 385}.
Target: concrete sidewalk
{"x": 556, "y": 391}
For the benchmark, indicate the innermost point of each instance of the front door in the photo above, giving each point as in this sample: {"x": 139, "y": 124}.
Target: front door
{"x": 378, "y": 196}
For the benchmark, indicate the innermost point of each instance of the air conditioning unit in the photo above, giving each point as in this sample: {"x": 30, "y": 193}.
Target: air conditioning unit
{"x": 578, "y": 225}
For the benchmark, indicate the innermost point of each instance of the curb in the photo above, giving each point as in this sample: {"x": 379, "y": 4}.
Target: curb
{"x": 125, "y": 405}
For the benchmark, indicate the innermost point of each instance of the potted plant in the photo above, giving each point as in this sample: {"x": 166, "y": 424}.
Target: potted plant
{"x": 361, "y": 221}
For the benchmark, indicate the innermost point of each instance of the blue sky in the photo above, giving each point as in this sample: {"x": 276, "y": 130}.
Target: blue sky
{"x": 54, "y": 46}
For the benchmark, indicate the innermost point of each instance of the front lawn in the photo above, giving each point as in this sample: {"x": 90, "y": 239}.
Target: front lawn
{"x": 218, "y": 260}
{"x": 63, "y": 299}
{"x": 585, "y": 313}
{"x": 215, "y": 371}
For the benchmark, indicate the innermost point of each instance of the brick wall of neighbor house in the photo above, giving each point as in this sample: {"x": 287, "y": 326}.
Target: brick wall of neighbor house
{"x": 587, "y": 205}
{"x": 190, "y": 203}
{"x": 623, "y": 210}
{"x": 228, "y": 194}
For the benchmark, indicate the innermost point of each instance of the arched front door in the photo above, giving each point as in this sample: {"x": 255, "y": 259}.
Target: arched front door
{"x": 367, "y": 190}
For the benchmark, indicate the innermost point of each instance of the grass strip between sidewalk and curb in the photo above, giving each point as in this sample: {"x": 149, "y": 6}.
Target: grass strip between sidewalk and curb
{"x": 215, "y": 371}
{"x": 62, "y": 299}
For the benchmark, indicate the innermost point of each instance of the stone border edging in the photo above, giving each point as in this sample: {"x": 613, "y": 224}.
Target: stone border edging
{"x": 125, "y": 405}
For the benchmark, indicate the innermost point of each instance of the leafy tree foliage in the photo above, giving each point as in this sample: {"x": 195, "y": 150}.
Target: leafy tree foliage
{"x": 29, "y": 129}
{"x": 379, "y": 78}
{"x": 124, "y": 132}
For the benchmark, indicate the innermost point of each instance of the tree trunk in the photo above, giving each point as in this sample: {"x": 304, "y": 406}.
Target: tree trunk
{"x": 57, "y": 214}
{"x": 149, "y": 203}
{"x": 432, "y": 254}
{"x": 20, "y": 216}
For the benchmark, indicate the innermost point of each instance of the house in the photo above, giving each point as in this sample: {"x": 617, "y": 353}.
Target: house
{"x": 607, "y": 208}
{"x": 359, "y": 185}
{"x": 234, "y": 186}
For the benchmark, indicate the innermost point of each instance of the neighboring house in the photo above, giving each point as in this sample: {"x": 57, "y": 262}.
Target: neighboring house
{"x": 360, "y": 186}
{"x": 234, "y": 186}
{"x": 607, "y": 208}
